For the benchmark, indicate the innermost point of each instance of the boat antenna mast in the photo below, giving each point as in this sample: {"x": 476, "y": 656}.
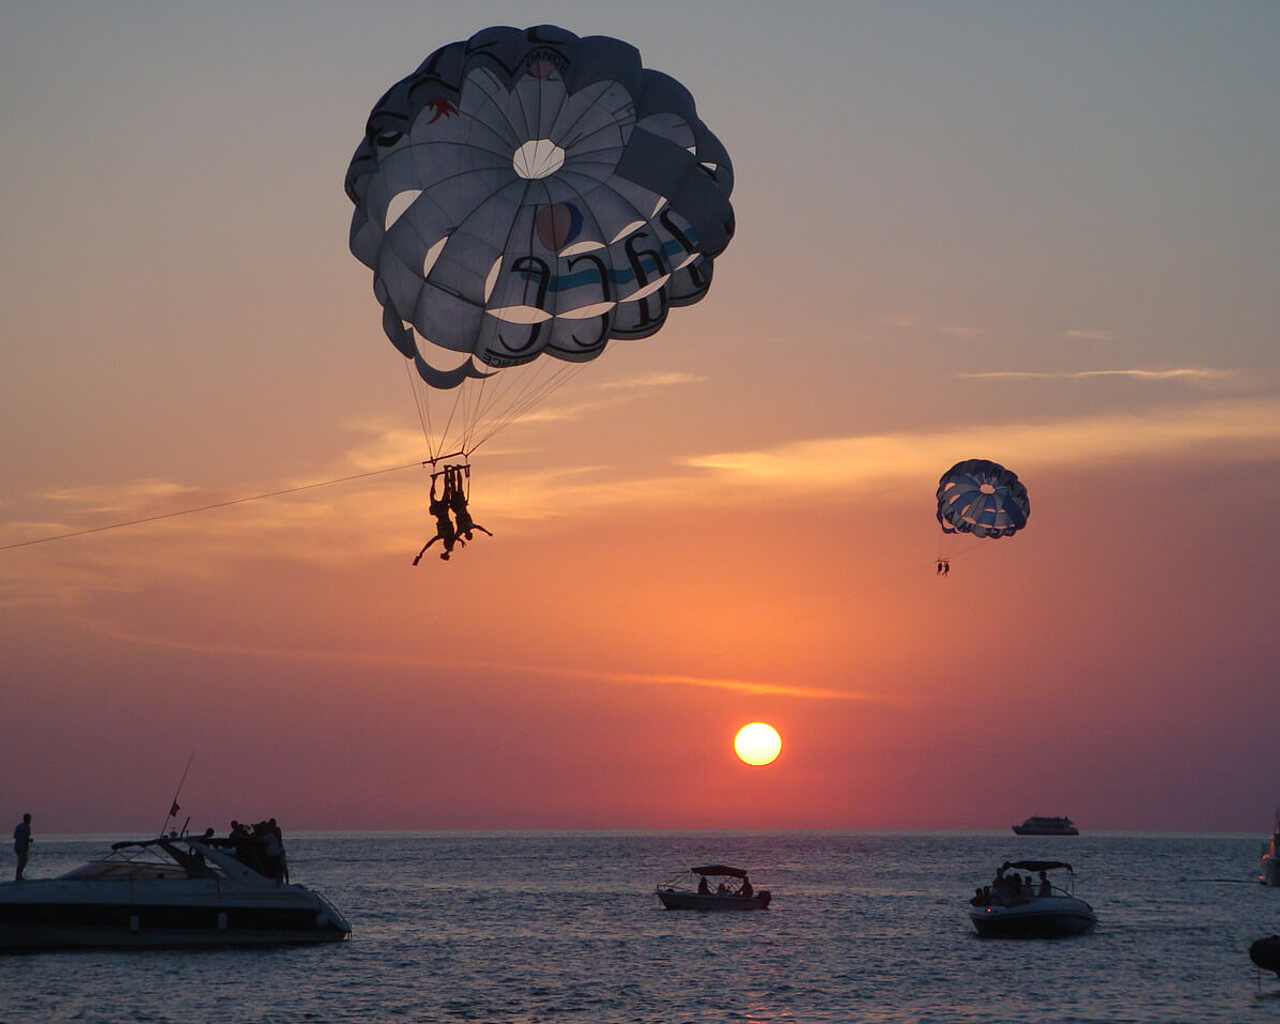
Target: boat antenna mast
{"x": 174, "y": 808}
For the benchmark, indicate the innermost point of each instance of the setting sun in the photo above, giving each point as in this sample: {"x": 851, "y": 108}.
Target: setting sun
{"x": 757, "y": 743}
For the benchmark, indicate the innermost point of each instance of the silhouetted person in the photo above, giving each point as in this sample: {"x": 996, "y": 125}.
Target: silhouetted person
{"x": 284, "y": 857}
{"x": 445, "y": 532}
{"x": 746, "y": 889}
{"x": 272, "y": 854}
{"x": 703, "y": 888}
{"x": 1045, "y": 888}
{"x": 22, "y": 844}
{"x": 456, "y": 497}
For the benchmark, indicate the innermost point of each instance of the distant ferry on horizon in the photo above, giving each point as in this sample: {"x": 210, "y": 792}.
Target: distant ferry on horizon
{"x": 1037, "y": 826}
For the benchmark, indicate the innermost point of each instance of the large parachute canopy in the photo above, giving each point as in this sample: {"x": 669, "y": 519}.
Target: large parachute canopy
{"x": 524, "y": 197}
{"x": 982, "y": 498}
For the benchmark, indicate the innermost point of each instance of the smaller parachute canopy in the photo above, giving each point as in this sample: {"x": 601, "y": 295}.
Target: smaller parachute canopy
{"x": 982, "y": 498}
{"x": 720, "y": 869}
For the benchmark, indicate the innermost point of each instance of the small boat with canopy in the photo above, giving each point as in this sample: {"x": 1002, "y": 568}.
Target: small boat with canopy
{"x": 1017, "y": 907}
{"x": 695, "y": 890}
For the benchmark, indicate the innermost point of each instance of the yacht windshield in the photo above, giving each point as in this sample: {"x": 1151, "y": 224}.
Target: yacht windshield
{"x": 142, "y": 864}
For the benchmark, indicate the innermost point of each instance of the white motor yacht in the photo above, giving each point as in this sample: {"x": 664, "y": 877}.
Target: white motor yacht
{"x": 1041, "y": 826}
{"x": 175, "y": 890}
{"x": 1016, "y": 908}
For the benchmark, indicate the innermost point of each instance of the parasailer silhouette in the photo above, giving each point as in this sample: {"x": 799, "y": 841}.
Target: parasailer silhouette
{"x": 982, "y": 499}
{"x": 445, "y": 532}
{"x": 456, "y": 496}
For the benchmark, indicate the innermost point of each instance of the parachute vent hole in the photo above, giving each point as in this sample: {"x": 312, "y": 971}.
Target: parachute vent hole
{"x": 537, "y": 158}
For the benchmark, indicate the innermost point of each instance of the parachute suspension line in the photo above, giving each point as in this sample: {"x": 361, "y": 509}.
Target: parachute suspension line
{"x": 532, "y": 389}
{"x": 454, "y": 406}
{"x": 474, "y": 410}
{"x": 424, "y": 411}
{"x": 208, "y": 508}
{"x": 437, "y": 440}
{"x": 528, "y": 395}
{"x": 505, "y": 404}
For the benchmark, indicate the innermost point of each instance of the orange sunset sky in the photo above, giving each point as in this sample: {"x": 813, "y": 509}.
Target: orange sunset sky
{"x": 1047, "y": 235}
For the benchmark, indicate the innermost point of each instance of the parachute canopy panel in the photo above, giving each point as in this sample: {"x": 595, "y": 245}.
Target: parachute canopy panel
{"x": 982, "y": 498}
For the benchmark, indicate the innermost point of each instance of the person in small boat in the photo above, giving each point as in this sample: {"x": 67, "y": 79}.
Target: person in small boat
{"x": 747, "y": 889}
{"x": 457, "y": 499}
{"x": 1045, "y": 888}
{"x": 445, "y": 532}
{"x": 1007, "y": 889}
{"x": 703, "y": 888}
{"x": 722, "y": 889}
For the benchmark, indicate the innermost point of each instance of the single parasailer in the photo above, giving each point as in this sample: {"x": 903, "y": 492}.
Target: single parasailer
{"x": 523, "y": 198}
{"x": 982, "y": 499}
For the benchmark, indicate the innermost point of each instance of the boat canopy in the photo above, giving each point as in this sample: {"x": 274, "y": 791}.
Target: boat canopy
{"x": 1035, "y": 865}
{"x": 720, "y": 869}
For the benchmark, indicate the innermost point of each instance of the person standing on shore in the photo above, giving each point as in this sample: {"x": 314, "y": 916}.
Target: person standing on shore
{"x": 22, "y": 844}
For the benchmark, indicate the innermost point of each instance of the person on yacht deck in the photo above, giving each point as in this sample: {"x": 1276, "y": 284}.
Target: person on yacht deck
{"x": 22, "y": 844}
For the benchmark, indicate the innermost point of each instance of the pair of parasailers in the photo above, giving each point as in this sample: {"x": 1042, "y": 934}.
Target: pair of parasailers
{"x": 452, "y": 502}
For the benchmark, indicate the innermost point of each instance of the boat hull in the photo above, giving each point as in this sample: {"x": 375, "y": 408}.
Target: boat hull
{"x": 1270, "y": 874}
{"x": 53, "y": 914}
{"x": 1050, "y": 827}
{"x": 22, "y": 937}
{"x": 1038, "y": 918}
{"x": 1266, "y": 953}
{"x": 678, "y": 899}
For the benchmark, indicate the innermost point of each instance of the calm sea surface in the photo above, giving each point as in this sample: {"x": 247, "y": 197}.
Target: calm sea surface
{"x": 523, "y": 927}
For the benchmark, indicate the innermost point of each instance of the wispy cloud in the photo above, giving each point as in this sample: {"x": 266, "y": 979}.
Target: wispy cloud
{"x": 1240, "y": 429}
{"x": 753, "y": 687}
{"x": 1193, "y": 373}
{"x": 130, "y": 494}
{"x": 1090, "y": 335}
{"x": 917, "y": 324}
{"x": 653, "y": 380}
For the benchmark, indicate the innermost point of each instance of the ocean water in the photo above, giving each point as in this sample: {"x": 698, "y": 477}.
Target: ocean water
{"x": 528, "y": 927}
